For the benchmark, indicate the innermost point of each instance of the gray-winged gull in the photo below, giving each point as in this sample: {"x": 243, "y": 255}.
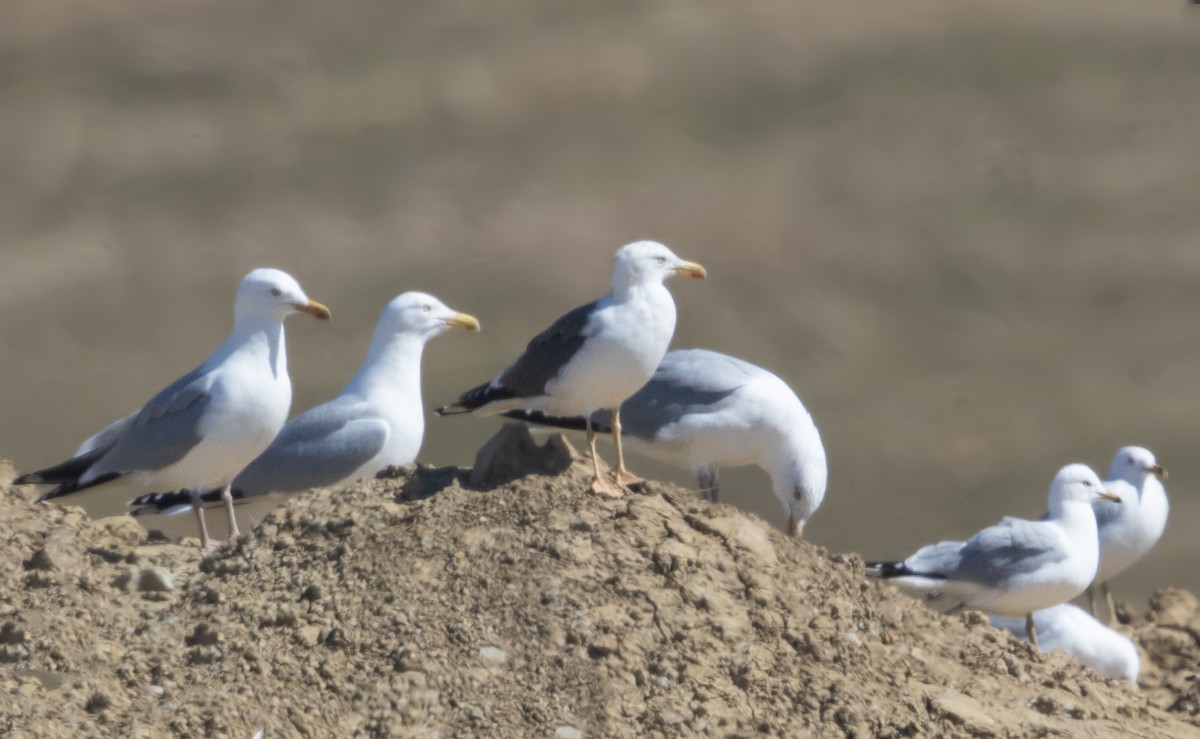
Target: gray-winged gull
{"x": 375, "y": 422}
{"x": 201, "y": 430}
{"x": 703, "y": 410}
{"x": 595, "y": 356}
{"x": 1017, "y": 566}
{"x": 1130, "y": 530}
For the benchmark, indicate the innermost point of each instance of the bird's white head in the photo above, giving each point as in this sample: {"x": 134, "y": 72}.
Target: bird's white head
{"x": 644, "y": 262}
{"x": 799, "y": 473}
{"x": 1134, "y": 464}
{"x": 272, "y": 295}
{"x": 423, "y": 315}
{"x": 1078, "y": 483}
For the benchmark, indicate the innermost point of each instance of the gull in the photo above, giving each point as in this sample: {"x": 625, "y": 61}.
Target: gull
{"x": 201, "y": 430}
{"x": 595, "y": 356}
{"x": 1017, "y": 566}
{"x": 1130, "y": 530}
{"x": 1069, "y": 628}
{"x": 375, "y": 422}
{"x": 703, "y": 410}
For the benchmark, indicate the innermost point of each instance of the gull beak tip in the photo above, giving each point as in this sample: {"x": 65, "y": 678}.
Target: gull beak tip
{"x": 464, "y": 321}
{"x": 692, "y": 269}
{"x": 314, "y": 309}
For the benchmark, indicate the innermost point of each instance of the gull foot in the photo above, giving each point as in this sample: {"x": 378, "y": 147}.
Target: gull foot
{"x": 628, "y": 480}
{"x": 211, "y": 545}
{"x": 606, "y": 489}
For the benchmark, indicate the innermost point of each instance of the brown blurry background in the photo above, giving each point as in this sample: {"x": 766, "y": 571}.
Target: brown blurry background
{"x": 967, "y": 233}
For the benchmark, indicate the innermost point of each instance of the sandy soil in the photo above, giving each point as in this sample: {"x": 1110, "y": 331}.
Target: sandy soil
{"x": 420, "y": 604}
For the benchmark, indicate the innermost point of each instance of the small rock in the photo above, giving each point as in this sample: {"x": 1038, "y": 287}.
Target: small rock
{"x": 567, "y": 732}
{"x": 40, "y": 560}
{"x": 155, "y": 580}
{"x": 603, "y": 646}
{"x": 311, "y": 593}
{"x": 11, "y": 633}
{"x": 493, "y": 656}
{"x": 203, "y": 635}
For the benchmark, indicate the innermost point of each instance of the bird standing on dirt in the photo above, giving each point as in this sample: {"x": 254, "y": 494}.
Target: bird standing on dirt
{"x": 703, "y": 410}
{"x": 1017, "y": 566}
{"x": 201, "y": 430}
{"x": 595, "y": 356}
{"x": 1130, "y": 530}
{"x": 375, "y": 422}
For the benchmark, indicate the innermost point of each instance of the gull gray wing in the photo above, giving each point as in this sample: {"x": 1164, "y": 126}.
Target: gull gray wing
{"x": 106, "y": 437}
{"x": 1013, "y": 547}
{"x": 542, "y": 360}
{"x": 548, "y": 352}
{"x": 689, "y": 381}
{"x": 935, "y": 560}
{"x": 158, "y": 435}
{"x": 163, "y": 431}
{"x": 322, "y": 446}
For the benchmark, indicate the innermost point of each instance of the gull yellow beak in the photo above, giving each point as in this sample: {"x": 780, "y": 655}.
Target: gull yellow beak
{"x": 314, "y": 309}
{"x": 693, "y": 270}
{"x": 463, "y": 320}
{"x": 1159, "y": 470}
{"x": 1111, "y": 497}
{"x": 794, "y": 528}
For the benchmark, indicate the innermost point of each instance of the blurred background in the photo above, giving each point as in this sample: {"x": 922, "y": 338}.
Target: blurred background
{"x": 967, "y": 233}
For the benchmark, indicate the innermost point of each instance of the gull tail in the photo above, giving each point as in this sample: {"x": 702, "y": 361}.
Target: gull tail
{"x": 887, "y": 570}
{"x": 476, "y": 398}
{"x": 71, "y": 488}
{"x": 175, "y": 502}
{"x": 66, "y": 473}
{"x": 570, "y": 423}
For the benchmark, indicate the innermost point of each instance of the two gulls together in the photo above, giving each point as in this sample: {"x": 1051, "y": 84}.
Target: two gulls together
{"x": 202, "y": 429}
{"x": 595, "y": 356}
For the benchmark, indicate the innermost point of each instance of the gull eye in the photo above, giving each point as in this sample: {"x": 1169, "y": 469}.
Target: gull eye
{"x": 1087, "y": 483}
{"x": 662, "y": 260}
{"x": 1129, "y": 460}
{"x": 276, "y": 292}
{"x": 427, "y": 307}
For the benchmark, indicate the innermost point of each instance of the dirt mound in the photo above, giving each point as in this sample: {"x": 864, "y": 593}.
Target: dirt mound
{"x": 417, "y": 605}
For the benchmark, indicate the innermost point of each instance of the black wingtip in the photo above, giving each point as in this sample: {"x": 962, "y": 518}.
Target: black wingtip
{"x": 570, "y": 423}
{"x": 32, "y": 478}
{"x": 452, "y": 410}
{"x": 886, "y": 569}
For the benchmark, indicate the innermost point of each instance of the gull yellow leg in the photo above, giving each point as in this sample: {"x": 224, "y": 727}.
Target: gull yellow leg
{"x": 624, "y": 477}
{"x": 1091, "y": 594}
{"x": 1030, "y": 630}
{"x": 600, "y": 486}
{"x": 206, "y": 541}
{"x": 1112, "y": 610}
{"x": 227, "y": 496}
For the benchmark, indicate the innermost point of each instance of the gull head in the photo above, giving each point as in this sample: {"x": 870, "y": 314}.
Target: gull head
{"x": 799, "y": 477}
{"x": 423, "y": 315}
{"x": 273, "y": 295}
{"x": 645, "y": 262}
{"x": 1134, "y": 464}
{"x": 1078, "y": 483}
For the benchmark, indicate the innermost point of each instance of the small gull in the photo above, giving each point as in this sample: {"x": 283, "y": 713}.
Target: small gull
{"x": 703, "y": 410}
{"x": 1130, "y": 530}
{"x": 1071, "y": 629}
{"x": 1017, "y": 566}
{"x": 377, "y": 420}
{"x": 595, "y": 356}
{"x": 201, "y": 430}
